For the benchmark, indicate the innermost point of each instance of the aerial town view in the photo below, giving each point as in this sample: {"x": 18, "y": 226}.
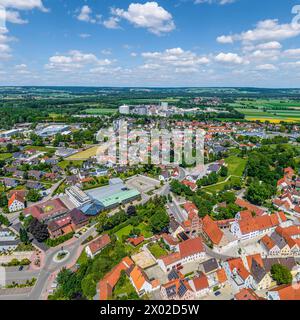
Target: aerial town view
{"x": 149, "y": 151}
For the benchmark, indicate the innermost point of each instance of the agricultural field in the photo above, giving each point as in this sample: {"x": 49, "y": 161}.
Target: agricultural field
{"x": 84, "y": 155}
{"x": 269, "y": 110}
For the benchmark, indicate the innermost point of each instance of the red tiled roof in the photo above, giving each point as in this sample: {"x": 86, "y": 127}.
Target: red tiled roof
{"x": 288, "y": 292}
{"x": 47, "y": 209}
{"x": 251, "y": 207}
{"x": 246, "y": 294}
{"x": 201, "y": 282}
{"x": 190, "y": 247}
{"x": 107, "y": 284}
{"x": 212, "y": 230}
{"x": 99, "y": 243}
{"x": 221, "y": 274}
{"x": 136, "y": 241}
{"x": 16, "y": 197}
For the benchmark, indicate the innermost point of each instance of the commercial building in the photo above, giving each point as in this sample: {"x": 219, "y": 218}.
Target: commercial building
{"x": 113, "y": 195}
{"x": 53, "y": 130}
{"x": 77, "y": 196}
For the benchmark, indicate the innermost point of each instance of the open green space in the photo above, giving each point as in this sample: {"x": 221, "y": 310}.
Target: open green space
{"x": 156, "y": 250}
{"x": 126, "y": 231}
{"x": 97, "y": 111}
{"x": 236, "y": 166}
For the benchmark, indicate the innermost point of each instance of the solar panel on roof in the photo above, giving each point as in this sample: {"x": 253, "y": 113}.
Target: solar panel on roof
{"x": 173, "y": 275}
{"x": 182, "y": 289}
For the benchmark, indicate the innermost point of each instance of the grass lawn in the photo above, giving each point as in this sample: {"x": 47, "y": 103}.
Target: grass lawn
{"x": 236, "y": 166}
{"x": 41, "y": 149}
{"x": 126, "y": 231}
{"x": 124, "y": 290}
{"x": 5, "y": 156}
{"x": 83, "y": 258}
{"x": 63, "y": 164}
{"x": 220, "y": 187}
{"x": 157, "y": 250}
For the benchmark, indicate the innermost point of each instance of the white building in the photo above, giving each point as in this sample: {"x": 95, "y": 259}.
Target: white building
{"x": 124, "y": 109}
{"x": 16, "y": 203}
{"x": 77, "y": 196}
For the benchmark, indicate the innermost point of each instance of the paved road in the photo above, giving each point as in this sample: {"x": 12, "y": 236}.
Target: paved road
{"x": 51, "y": 267}
{"x": 177, "y": 211}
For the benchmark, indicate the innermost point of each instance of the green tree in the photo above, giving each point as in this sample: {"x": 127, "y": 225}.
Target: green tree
{"x": 281, "y": 274}
{"x": 24, "y": 236}
{"x": 88, "y": 285}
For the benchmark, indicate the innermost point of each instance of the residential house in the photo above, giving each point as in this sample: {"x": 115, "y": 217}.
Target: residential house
{"x": 16, "y": 203}
{"x": 96, "y": 246}
{"x": 107, "y": 284}
{"x": 177, "y": 289}
{"x": 246, "y": 294}
{"x": 191, "y": 250}
{"x": 248, "y": 226}
{"x": 10, "y": 183}
{"x": 285, "y": 292}
{"x": 192, "y": 225}
{"x": 140, "y": 281}
{"x": 200, "y": 285}
{"x": 212, "y": 232}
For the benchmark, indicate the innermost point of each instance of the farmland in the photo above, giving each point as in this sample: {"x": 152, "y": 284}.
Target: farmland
{"x": 269, "y": 110}
{"x": 84, "y": 155}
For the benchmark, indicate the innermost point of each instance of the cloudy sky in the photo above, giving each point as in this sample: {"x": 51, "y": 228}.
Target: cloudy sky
{"x": 154, "y": 43}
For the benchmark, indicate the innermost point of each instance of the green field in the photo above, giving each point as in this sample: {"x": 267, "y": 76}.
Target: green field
{"x": 236, "y": 166}
{"x": 63, "y": 164}
{"x": 220, "y": 186}
{"x": 269, "y": 110}
{"x": 126, "y": 231}
{"x": 104, "y": 111}
{"x": 5, "y": 156}
{"x": 83, "y": 155}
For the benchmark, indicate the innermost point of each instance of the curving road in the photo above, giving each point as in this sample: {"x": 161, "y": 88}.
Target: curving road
{"x": 50, "y": 267}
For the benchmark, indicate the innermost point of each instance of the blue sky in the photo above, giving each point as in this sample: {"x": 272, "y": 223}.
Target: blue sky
{"x": 150, "y": 43}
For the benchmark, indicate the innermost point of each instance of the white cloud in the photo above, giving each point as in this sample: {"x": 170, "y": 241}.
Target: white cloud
{"x": 23, "y": 4}
{"x": 231, "y": 58}
{"x": 148, "y": 15}
{"x": 112, "y": 23}
{"x": 75, "y": 60}
{"x": 266, "y": 30}
{"x": 292, "y": 52}
{"x": 175, "y": 57}
{"x": 85, "y": 15}
{"x": 221, "y": 2}
{"x": 266, "y": 67}
{"x": 12, "y": 16}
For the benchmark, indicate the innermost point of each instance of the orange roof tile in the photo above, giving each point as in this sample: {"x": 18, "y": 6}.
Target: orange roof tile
{"x": 246, "y": 294}
{"x": 212, "y": 230}
{"x": 201, "y": 282}
{"x": 138, "y": 277}
{"x": 288, "y": 292}
{"x": 221, "y": 274}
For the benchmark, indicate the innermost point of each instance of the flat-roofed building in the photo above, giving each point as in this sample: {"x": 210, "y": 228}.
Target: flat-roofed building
{"x": 77, "y": 196}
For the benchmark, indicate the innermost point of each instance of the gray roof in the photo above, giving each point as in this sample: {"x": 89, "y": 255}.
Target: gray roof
{"x": 210, "y": 265}
{"x": 290, "y": 263}
{"x": 279, "y": 240}
{"x": 257, "y": 271}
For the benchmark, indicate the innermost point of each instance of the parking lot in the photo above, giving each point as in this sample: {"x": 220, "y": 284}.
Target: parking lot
{"x": 142, "y": 183}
